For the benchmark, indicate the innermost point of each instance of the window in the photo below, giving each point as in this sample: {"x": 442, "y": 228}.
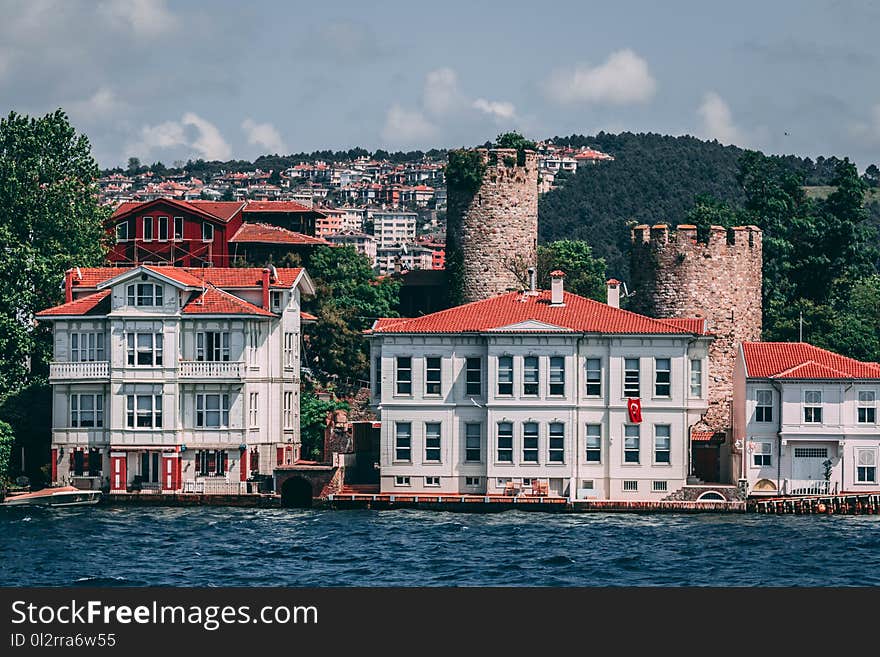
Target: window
{"x": 432, "y": 442}
{"x": 472, "y": 440}
{"x": 432, "y": 482}
{"x": 178, "y": 229}
{"x": 144, "y": 294}
{"x": 122, "y": 231}
{"x": 211, "y": 463}
{"x": 86, "y": 347}
{"x": 276, "y": 297}
{"x": 659, "y": 486}
{"x": 866, "y": 466}
{"x": 811, "y": 452}
{"x": 867, "y": 407}
{"x": 631, "y": 377}
{"x": 505, "y": 442}
{"x": 148, "y": 229}
{"x": 594, "y": 443}
{"x": 630, "y": 485}
{"x": 150, "y": 467}
{"x": 143, "y": 411}
{"x": 594, "y": 377}
{"x": 813, "y": 406}
{"x": 631, "y": 441}
{"x": 762, "y": 455}
{"x": 403, "y": 441}
{"x": 432, "y": 376}
{"x": 662, "y": 377}
{"x": 696, "y": 378}
{"x": 530, "y": 376}
{"x": 505, "y": 375}
{"x": 212, "y": 410}
{"x": 207, "y": 232}
{"x": 254, "y": 409}
{"x": 87, "y": 410}
{"x": 287, "y": 409}
{"x": 254, "y": 338}
{"x": 557, "y": 376}
{"x": 401, "y": 481}
{"x": 556, "y": 449}
{"x": 289, "y": 349}
{"x": 162, "y": 225}
{"x": 377, "y": 376}
{"x": 471, "y": 481}
{"x": 764, "y": 408}
{"x": 212, "y": 346}
{"x": 530, "y": 442}
{"x": 144, "y": 349}
{"x": 474, "y": 376}
{"x": 662, "y": 440}
{"x": 404, "y": 375}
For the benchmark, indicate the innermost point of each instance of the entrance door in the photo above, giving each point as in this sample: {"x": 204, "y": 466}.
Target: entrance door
{"x": 150, "y": 472}
{"x": 707, "y": 463}
{"x": 807, "y": 465}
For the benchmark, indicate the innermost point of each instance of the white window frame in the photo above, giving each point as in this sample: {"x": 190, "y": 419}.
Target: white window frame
{"x": 468, "y": 437}
{"x": 213, "y": 349}
{"x": 558, "y": 451}
{"x": 531, "y": 376}
{"x": 472, "y": 482}
{"x": 400, "y": 448}
{"x": 469, "y": 383}
{"x": 763, "y": 412}
{"x": 557, "y": 373}
{"x": 205, "y": 405}
{"x": 207, "y": 231}
{"x": 588, "y": 434}
{"x": 432, "y": 482}
{"x": 161, "y": 227}
{"x": 275, "y": 300}
{"x": 696, "y": 380}
{"x": 399, "y": 381}
{"x": 508, "y": 435}
{"x": 177, "y": 235}
{"x": 866, "y": 473}
{"x": 630, "y": 485}
{"x": 762, "y": 451}
{"x": 148, "y": 221}
{"x": 430, "y": 438}
{"x": 433, "y": 376}
{"x": 287, "y": 410}
{"x": 632, "y": 386}
{"x": 135, "y": 346}
{"x": 122, "y": 231}
{"x": 658, "y": 428}
{"x": 811, "y": 408}
{"x": 630, "y": 432}
{"x": 869, "y": 406}
{"x": 78, "y": 414}
{"x": 254, "y": 410}
{"x": 134, "y": 411}
{"x": 290, "y": 344}
{"x": 536, "y": 436}
{"x": 507, "y": 379}
{"x": 667, "y": 375}
{"x": 593, "y": 384}
{"x": 402, "y": 481}
{"x": 87, "y": 347}
{"x": 138, "y": 294}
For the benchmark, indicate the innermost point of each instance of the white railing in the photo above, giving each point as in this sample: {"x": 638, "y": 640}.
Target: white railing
{"x": 217, "y": 486}
{"x": 809, "y": 487}
{"x": 207, "y": 369}
{"x": 97, "y": 369}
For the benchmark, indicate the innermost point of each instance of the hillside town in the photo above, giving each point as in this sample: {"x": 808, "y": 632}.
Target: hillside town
{"x": 177, "y": 367}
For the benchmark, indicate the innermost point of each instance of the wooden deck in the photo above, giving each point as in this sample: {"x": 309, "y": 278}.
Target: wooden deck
{"x": 844, "y": 503}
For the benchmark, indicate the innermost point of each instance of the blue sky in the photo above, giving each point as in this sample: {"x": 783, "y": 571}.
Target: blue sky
{"x": 170, "y": 80}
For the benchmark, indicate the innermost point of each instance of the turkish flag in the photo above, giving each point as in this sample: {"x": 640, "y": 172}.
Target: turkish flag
{"x": 635, "y": 410}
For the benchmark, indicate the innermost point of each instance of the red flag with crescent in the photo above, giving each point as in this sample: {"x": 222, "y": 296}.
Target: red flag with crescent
{"x": 635, "y": 410}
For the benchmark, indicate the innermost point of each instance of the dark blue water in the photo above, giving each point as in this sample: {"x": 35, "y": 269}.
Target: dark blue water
{"x": 212, "y": 546}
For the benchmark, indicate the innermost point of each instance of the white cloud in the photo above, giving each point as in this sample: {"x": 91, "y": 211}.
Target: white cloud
{"x": 264, "y": 135}
{"x": 622, "y": 79}
{"x": 500, "y": 110}
{"x": 206, "y": 142}
{"x": 102, "y": 104}
{"x": 718, "y": 120}
{"x": 146, "y": 18}
{"x": 404, "y": 127}
{"x": 441, "y": 94}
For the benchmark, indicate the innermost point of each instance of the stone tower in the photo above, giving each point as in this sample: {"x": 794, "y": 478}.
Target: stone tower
{"x": 675, "y": 275}
{"x": 492, "y": 234}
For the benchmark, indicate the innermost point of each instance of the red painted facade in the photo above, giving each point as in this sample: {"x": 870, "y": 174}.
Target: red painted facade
{"x": 118, "y": 473}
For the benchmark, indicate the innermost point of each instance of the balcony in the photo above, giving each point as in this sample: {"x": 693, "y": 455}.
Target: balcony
{"x": 809, "y": 487}
{"x": 207, "y": 369}
{"x": 98, "y": 369}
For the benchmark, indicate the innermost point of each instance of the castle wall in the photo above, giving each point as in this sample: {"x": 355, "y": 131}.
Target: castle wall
{"x": 674, "y": 275}
{"x": 492, "y": 235}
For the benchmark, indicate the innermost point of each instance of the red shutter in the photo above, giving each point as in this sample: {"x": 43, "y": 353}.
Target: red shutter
{"x": 280, "y": 454}
{"x": 54, "y": 465}
{"x": 225, "y": 462}
{"x": 242, "y": 466}
{"x": 72, "y": 461}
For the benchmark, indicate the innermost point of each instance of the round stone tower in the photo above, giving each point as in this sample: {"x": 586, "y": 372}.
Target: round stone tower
{"x": 492, "y": 233}
{"x": 674, "y": 274}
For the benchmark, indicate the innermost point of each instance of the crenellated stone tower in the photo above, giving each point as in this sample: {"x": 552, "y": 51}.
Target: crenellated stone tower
{"x": 492, "y": 233}
{"x": 675, "y": 275}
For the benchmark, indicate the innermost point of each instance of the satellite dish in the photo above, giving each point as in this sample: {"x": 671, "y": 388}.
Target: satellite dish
{"x": 274, "y": 272}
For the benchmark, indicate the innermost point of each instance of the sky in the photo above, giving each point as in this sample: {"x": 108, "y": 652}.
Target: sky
{"x": 170, "y": 80}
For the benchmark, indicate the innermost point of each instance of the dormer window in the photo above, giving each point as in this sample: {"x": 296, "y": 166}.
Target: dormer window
{"x": 207, "y": 232}
{"x": 144, "y": 294}
{"x": 276, "y": 297}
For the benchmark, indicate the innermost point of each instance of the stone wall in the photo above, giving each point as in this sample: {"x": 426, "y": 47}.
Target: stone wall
{"x": 675, "y": 275}
{"x": 492, "y": 235}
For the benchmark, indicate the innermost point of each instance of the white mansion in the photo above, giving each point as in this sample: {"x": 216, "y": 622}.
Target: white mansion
{"x": 531, "y": 389}
{"x": 807, "y": 420}
{"x": 170, "y": 378}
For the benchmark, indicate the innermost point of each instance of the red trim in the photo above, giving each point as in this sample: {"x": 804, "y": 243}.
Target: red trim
{"x": 118, "y": 474}
{"x": 242, "y": 466}
{"x": 266, "y": 289}
{"x": 54, "y": 465}
{"x": 279, "y": 455}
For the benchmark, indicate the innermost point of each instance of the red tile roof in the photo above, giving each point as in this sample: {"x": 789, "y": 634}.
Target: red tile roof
{"x": 220, "y": 210}
{"x": 307, "y": 317}
{"x": 94, "y": 304}
{"x": 225, "y": 277}
{"x": 799, "y": 360}
{"x": 267, "y": 234}
{"x": 696, "y": 325}
{"x": 578, "y": 314}
{"x": 218, "y": 302}
{"x": 278, "y": 206}
{"x": 701, "y": 436}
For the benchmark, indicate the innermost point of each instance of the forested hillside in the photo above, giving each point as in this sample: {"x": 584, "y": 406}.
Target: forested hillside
{"x": 654, "y": 178}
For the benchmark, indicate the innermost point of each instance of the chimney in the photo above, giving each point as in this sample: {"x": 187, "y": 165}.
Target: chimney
{"x": 533, "y": 284}
{"x": 68, "y": 286}
{"x": 266, "y": 289}
{"x": 613, "y": 292}
{"x": 556, "y": 279}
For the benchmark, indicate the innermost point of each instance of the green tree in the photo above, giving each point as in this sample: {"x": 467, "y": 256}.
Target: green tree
{"x": 6, "y": 440}
{"x": 349, "y": 299}
{"x": 584, "y": 274}
{"x": 50, "y": 220}
{"x": 708, "y": 212}
{"x": 28, "y": 411}
{"x": 134, "y": 166}
{"x": 313, "y": 420}
{"x": 872, "y": 176}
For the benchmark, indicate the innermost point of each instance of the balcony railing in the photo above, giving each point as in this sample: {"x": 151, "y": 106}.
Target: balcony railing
{"x": 206, "y": 369}
{"x": 809, "y": 487}
{"x": 97, "y": 369}
{"x": 219, "y": 486}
